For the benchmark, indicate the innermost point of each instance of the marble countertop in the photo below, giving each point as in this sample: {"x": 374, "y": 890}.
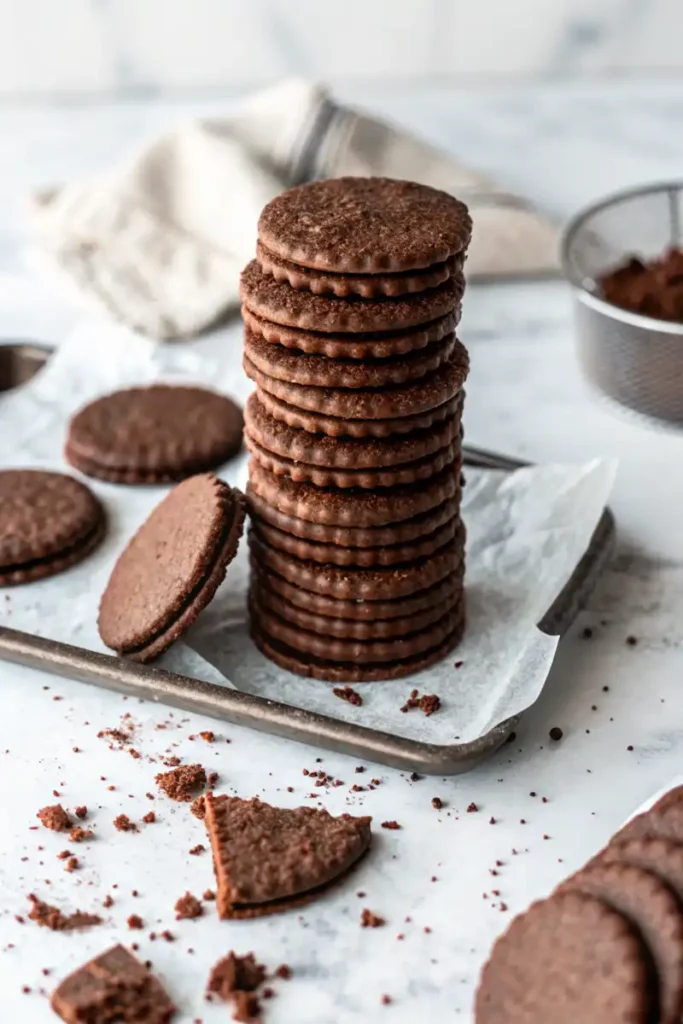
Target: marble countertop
{"x": 615, "y": 702}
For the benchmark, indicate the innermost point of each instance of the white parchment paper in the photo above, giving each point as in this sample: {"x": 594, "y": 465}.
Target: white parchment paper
{"x": 526, "y": 532}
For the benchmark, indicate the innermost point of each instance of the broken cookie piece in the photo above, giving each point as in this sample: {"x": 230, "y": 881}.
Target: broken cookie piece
{"x": 112, "y": 987}
{"x": 268, "y": 859}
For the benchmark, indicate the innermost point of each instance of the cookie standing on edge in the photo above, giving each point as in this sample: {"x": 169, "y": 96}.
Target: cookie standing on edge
{"x": 48, "y": 522}
{"x": 155, "y": 434}
{"x": 171, "y": 568}
{"x": 301, "y": 852}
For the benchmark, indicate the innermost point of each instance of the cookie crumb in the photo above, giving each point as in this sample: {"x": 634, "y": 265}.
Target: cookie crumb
{"x": 235, "y": 974}
{"x": 391, "y": 825}
{"x": 348, "y": 694}
{"x": 208, "y": 736}
{"x": 55, "y": 818}
{"x": 47, "y": 916}
{"x": 196, "y": 850}
{"x": 181, "y": 783}
{"x": 437, "y": 803}
{"x": 188, "y": 907}
{"x": 135, "y": 922}
{"x": 198, "y": 807}
{"x": 370, "y": 920}
{"x": 81, "y": 812}
{"x": 472, "y": 808}
{"x": 284, "y": 971}
{"x": 122, "y": 823}
{"x": 631, "y": 641}
{"x": 81, "y": 835}
{"x": 149, "y": 818}
{"x": 556, "y": 733}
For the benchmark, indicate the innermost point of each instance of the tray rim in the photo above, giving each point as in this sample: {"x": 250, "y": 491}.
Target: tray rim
{"x": 288, "y": 721}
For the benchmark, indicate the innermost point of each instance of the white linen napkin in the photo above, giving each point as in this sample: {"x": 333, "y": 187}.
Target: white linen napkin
{"x": 160, "y": 240}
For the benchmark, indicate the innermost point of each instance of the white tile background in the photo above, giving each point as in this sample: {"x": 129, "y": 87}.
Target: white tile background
{"x": 144, "y": 47}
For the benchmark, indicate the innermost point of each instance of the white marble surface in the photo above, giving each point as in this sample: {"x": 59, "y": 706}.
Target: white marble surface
{"x": 150, "y": 47}
{"x": 565, "y": 146}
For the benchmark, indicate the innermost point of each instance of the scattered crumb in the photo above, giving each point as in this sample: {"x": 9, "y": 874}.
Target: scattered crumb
{"x": 135, "y": 922}
{"x": 284, "y": 971}
{"x": 386, "y": 1000}
{"x": 556, "y": 733}
{"x": 391, "y": 825}
{"x": 472, "y": 808}
{"x": 196, "y": 850}
{"x": 72, "y": 864}
{"x": 437, "y": 803}
{"x": 52, "y": 917}
{"x": 188, "y": 907}
{"x": 348, "y": 694}
{"x": 122, "y": 823}
{"x": 429, "y": 703}
{"x": 370, "y": 920}
{"x": 209, "y": 736}
{"x": 81, "y": 812}
{"x": 208, "y": 895}
{"x": 107, "y": 901}
{"x": 80, "y": 835}
{"x": 631, "y": 641}
{"x": 55, "y": 818}
{"x": 233, "y": 974}
{"x": 149, "y": 818}
{"x": 181, "y": 783}
{"x": 198, "y": 807}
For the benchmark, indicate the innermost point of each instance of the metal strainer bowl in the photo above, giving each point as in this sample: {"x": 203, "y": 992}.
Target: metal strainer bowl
{"x": 635, "y": 360}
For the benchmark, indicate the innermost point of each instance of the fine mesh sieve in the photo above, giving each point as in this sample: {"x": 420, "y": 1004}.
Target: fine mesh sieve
{"x": 633, "y": 359}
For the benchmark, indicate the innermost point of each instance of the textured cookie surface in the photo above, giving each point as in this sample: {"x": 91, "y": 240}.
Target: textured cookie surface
{"x": 159, "y": 433}
{"x": 654, "y": 909}
{"x": 171, "y": 568}
{"x": 368, "y": 286}
{"x": 298, "y": 851}
{"x": 339, "y": 453}
{"x": 270, "y": 300}
{"x": 568, "y": 959}
{"x": 48, "y": 522}
{"x": 298, "y": 368}
{"x": 364, "y": 225}
{"x": 352, "y": 507}
{"x": 373, "y": 345}
{"x": 351, "y": 672}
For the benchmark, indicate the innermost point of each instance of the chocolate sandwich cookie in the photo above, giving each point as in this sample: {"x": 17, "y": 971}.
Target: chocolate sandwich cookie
{"x": 380, "y": 583}
{"x": 368, "y": 286}
{"x": 339, "y": 453}
{"x": 171, "y": 568}
{"x": 355, "y": 225}
{"x": 408, "y": 473}
{"x": 48, "y": 522}
{"x": 154, "y": 434}
{"x": 112, "y": 987}
{"x": 270, "y": 300}
{"x": 364, "y": 652}
{"x": 352, "y": 508}
{"x": 440, "y": 593}
{"x": 350, "y": 629}
{"x": 567, "y": 959}
{"x": 320, "y": 371}
{"x": 335, "y": 554}
{"x": 372, "y": 345}
{"x": 351, "y": 672}
{"x": 339, "y": 426}
{"x": 654, "y": 910}
{"x": 403, "y": 532}
{"x": 301, "y": 853}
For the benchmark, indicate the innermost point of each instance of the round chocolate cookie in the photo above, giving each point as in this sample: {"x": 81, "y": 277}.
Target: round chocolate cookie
{"x": 408, "y": 473}
{"x": 337, "y": 453}
{"x": 281, "y": 303}
{"x": 373, "y": 345}
{"x": 368, "y": 286}
{"x": 354, "y": 508}
{"x": 365, "y": 558}
{"x": 339, "y": 426}
{"x": 349, "y": 629}
{"x": 351, "y": 672}
{"x": 438, "y": 595}
{"x": 364, "y": 652}
{"x": 355, "y": 537}
{"x": 662, "y": 857}
{"x": 154, "y": 434}
{"x": 568, "y": 959}
{"x": 298, "y": 368}
{"x": 654, "y": 910}
{"x": 171, "y": 568}
{"x": 357, "y": 225}
{"x": 48, "y": 522}
{"x": 381, "y": 583}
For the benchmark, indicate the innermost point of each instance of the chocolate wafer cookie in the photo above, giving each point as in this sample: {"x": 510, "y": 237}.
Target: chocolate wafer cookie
{"x": 380, "y": 583}
{"x": 352, "y": 508}
{"x": 154, "y": 434}
{"x": 298, "y": 368}
{"x": 267, "y": 298}
{"x": 48, "y": 523}
{"x": 407, "y": 473}
{"x": 335, "y": 554}
{"x": 171, "y": 568}
{"x": 370, "y": 345}
{"x": 568, "y": 959}
{"x": 339, "y": 453}
{"x": 349, "y": 629}
{"x": 362, "y": 611}
{"x": 351, "y": 672}
{"x": 368, "y": 286}
{"x": 404, "y": 532}
{"x": 365, "y": 225}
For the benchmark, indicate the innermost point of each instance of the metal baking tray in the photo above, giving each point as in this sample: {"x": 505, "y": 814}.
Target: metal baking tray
{"x": 18, "y": 362}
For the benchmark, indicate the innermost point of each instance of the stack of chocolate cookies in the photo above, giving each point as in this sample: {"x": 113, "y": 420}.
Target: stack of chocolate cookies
{"x": 356, "y": 542}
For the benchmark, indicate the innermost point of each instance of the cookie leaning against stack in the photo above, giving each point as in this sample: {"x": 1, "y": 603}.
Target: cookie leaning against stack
{"x": 607, "y": 946}
{"x": 350, "y": 310}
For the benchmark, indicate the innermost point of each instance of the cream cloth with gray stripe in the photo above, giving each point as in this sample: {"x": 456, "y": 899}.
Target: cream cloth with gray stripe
{"x": 160, "y": 240}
